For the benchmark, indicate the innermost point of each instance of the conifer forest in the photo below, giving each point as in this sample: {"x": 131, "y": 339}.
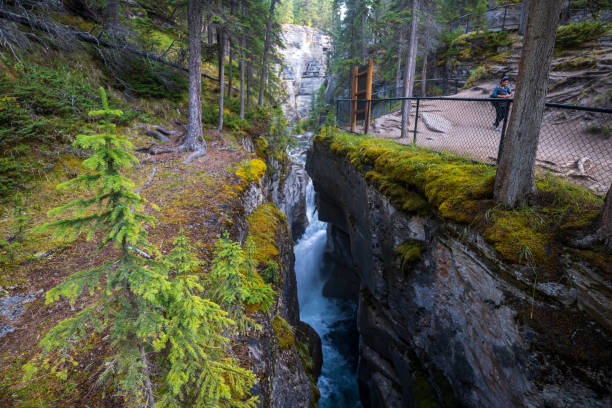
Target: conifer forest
{"x": 301, "y": 204}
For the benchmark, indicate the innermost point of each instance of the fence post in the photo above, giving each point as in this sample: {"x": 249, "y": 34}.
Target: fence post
{"x": 337, "y": 108}
{"x": 503, "y": 133}
{"x": 416, "y": 121}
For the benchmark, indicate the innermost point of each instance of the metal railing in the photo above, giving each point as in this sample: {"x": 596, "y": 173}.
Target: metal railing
{"x": 507, "y": 17}
{"x": 574, "y": 141}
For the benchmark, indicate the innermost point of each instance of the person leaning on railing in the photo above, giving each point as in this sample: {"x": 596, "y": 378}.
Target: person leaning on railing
{"x": 501, "y": 91}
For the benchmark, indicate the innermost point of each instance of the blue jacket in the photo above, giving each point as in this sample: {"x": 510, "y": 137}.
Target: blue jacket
{"x": 501, "y": 91}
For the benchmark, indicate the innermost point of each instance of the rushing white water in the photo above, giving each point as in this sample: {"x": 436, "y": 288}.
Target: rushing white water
{"x": 329, "y": 317}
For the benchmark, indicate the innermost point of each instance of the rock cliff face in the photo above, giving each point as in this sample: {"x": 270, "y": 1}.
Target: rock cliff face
{"x": 288, "y": 193}
{"x": 304, "y": 68}
{"x": 284, "y": 378}
{"x": 455, "y": 326}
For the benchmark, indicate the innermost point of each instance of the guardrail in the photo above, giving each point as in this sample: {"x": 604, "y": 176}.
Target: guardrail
{"x": 575, "y": 141}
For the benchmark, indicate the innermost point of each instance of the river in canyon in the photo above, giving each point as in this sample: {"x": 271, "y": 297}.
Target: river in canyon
{"x": 332, "y": 318}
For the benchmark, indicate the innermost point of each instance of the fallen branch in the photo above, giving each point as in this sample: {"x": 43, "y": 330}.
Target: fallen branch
{"x": 149, "y": 180}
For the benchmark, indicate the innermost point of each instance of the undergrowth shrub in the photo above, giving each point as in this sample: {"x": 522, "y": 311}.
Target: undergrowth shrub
{"x": 478, "y": 46}
{"x": 481, "y": 72}
{"x": 41, "y": 106}
{"x": 575, "y": 34}
{"x": 148, "y": 305}
{"x": 142, "y": 78}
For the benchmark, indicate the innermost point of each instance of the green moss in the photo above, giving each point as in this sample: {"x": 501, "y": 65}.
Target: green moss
{"x": 284, "y": 332}
{"x": 410, "y": 252}
{"x": 266, "y": 224}
{"x": 577, "y": 63}
{"x": 415, "y": 179}
{"x": 479, "y": 46}
{"x": 599, "y": 259}
{"x": 424, "y": 393}
{"x": 514, "y": 232}
{"x": 251, "y": 171}
{"x": 480, "y": 73}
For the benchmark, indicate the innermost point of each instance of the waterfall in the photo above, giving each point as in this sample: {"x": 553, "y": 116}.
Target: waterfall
{"x": 331, "y": 318}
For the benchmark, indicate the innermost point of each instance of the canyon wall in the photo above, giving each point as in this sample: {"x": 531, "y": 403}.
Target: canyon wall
{"x": 304, "y": 68}
{"x": 286, "y": 374}
{"x": 443, "y": 322}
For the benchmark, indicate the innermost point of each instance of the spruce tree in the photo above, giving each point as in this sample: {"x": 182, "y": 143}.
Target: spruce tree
{"x": 147, "y": 304}
{"x": 233, "y": 281}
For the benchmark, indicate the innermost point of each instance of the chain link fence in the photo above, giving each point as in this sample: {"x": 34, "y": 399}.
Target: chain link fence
{"x": 575, "y": 141}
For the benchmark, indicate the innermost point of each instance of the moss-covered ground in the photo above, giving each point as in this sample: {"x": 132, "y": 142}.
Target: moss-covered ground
{"x": 421, "y": 181}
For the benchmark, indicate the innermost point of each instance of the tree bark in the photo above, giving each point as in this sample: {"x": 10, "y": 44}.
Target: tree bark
{"x": 249, "y": 76}
{"x": 604, "y": 221}
{"x": 264, "y": 62}
{"x": 565, "y": 12}
{"x": 424, "y": 73}
{"x": 364, "y": 45}
{"x": 410, "y": 68}
{"x": 230, "y": 70}
{"x": 400, "y": 55}
{"x": 242, "y": 73}
{"x": 112, "y": 7}
{"x": 515, "y": 179}
{"x": 194, "y": 139}
{"x": 148, "y": 387}
{"x": 221, "y": 77}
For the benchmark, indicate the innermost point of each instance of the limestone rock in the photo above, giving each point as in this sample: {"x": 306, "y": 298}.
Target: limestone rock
{"x": 436, "y": 122}
{"x": 304, "y": 69}
{"x": 455, "y": 327}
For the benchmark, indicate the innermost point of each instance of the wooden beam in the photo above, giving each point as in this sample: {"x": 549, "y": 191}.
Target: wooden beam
{"x": 354, "y": 96}
{"x": 368, "y": 109}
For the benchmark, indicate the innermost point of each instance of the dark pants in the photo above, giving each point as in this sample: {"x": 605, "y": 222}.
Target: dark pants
{"x": 501, "y": 110}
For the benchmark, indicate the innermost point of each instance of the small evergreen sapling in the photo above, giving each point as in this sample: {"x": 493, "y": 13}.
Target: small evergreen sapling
{"x": 233, "y": 282}
{"x": 147, "y": 305}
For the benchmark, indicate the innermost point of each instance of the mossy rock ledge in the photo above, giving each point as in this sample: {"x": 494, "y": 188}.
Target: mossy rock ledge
{"x": 489, "y": 306}
{"x": 282, "y": 363}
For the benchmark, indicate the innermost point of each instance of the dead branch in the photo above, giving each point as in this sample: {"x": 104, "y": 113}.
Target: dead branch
{"x": 88, "y": 38}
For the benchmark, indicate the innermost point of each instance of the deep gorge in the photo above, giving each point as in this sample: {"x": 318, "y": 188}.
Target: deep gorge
{"x": 443, "y": 321}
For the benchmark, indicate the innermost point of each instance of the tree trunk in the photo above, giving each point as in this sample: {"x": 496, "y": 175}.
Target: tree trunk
{"x": 211, "y": 35}
{"x": 515, "y": 179}
{"x": 424, "y": 73}
{"x": 242, "y": 73}
{"x": 524, "y": 15}
{"x": 112, "y": 7}
{"x": 264, "y": 63}
{"x": 221, "y": 77}
{"x": 230, "y": 70}
{"x": 565, "y": 12}
{"x": 194, "y": 138}
{"x": 249, "y": 76}
{"x": 400, "y": 55}
{"x": 147, "y": 379}
{"x": 604, "y": 221}
{"x": 410, "y": 68}
{"x": 364, "y": 45}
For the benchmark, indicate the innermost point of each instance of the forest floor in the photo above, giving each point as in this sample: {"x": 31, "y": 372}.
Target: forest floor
{"x": 201, "y": 198}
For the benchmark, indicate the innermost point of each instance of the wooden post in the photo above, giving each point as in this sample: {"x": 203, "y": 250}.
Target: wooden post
{"x": 368, "y": 109}
{"x": 354, "y": 96}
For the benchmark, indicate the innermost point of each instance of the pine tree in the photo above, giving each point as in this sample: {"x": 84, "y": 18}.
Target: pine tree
{"x": 233, "y": 281}
{"x": 145, "y": 303}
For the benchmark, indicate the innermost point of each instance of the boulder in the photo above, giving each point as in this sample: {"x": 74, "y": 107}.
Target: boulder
{"x": 436, "y": 123}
